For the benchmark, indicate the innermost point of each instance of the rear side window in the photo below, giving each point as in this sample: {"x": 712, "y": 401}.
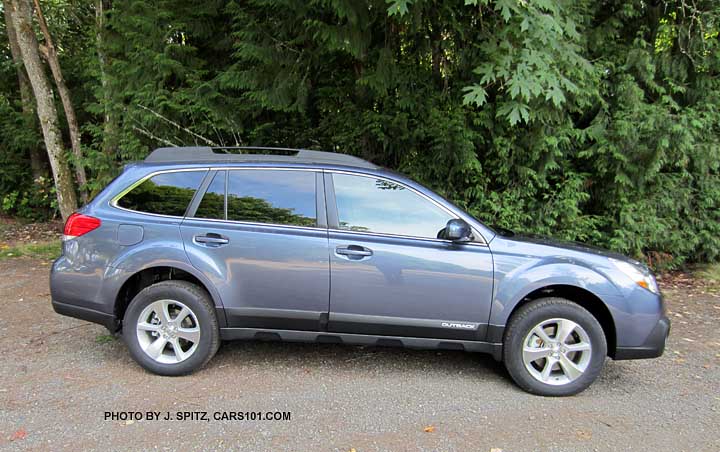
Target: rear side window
{"x": 164, "y": 194}
{"x": 271, "y": 196}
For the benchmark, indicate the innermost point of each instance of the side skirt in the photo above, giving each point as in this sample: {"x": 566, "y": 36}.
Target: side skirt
{"x": 228, "y": 334}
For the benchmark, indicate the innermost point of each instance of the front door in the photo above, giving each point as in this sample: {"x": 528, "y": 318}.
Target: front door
{"x": 391, "y": 275}
{"x": 264, "y": 246}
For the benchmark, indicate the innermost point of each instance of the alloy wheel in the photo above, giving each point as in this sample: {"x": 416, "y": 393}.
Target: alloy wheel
{"x": 557, "y": 351}
{"x": 168, "y": 331}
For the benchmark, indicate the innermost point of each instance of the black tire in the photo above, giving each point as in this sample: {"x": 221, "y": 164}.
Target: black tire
{"x": 197, "y": 300}
{"x": 532, "y": 314}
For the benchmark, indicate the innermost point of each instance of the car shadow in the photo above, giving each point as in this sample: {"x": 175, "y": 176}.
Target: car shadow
{"x": 342, "y": 357}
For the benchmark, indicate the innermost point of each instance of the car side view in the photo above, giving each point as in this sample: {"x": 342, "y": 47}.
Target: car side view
{"x": 197, "y": 245}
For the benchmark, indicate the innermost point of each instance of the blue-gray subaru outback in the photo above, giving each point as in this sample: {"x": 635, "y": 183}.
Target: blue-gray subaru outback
{"x": 198, "y": 245}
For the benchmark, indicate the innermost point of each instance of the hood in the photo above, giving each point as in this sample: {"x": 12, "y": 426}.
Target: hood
{"x": 569, "y": 245}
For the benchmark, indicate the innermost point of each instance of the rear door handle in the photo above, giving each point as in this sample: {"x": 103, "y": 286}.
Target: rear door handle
{"x": 354, "y": 251}
{"x": 211, "y": 239}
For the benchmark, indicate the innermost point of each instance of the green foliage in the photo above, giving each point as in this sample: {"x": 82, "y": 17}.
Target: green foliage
{"x": 591, "y": 121}
{"x": 47, "y": 251}
{"x": 20, "y": 194}
{"x": 33, "y": 203}
{"x": 105, "y": 339}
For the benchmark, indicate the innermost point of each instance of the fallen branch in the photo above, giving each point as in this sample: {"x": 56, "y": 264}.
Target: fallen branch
{"x": 178, "y": 126}
{"x": 154, "y": 137}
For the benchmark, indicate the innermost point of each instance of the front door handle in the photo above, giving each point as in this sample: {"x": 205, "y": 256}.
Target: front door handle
{"x": 354, "y": 251}
{"x": 211, "y": 239}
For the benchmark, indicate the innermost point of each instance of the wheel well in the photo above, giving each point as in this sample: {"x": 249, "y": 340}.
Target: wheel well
{"x": 584, "y": 298}
{"x": 145, "y": 278}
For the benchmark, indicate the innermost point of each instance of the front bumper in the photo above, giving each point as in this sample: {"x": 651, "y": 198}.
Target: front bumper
{"x": 653, "y": 347}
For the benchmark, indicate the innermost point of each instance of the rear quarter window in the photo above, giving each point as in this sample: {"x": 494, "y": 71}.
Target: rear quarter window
{"x": 164, "y": 193}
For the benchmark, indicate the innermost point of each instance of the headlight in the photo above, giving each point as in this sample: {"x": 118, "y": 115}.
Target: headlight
{"x": 641, "y": 276}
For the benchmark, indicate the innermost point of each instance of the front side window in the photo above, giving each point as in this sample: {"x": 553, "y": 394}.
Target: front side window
{"x": 367, "y": 204}
{"x": 272, "y": 196}
{"x": 164, "y": 193}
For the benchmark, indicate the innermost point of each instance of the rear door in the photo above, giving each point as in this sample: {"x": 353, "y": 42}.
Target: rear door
{"x": 391, "y": 275}
{"x": 259, "y": 234}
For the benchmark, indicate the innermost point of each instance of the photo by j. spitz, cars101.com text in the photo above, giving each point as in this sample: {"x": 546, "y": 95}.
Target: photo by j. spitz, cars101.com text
{"x": 197, "y": 245}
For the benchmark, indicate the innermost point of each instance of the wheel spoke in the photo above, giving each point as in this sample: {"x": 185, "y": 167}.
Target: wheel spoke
{"x": 579, "y": 347}
{"x": 189, "y": 334}
{"x": 549, "y": 363}
{"x": 144, "y": 326}
{"x": 531, "y": 354}
{"x": 183, "y": 313}
{"x": 540, "y": 332}
{"x": 571, "y": 370}
{"x": 564, "y": 329}
{"x": 179, "y": 353}
{"x": 166, "y": 311}
{"x": 156, "y": 348}
{"x": 160, "y": 308}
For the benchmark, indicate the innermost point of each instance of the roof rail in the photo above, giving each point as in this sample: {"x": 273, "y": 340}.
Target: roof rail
{"x": 252, "y": 154}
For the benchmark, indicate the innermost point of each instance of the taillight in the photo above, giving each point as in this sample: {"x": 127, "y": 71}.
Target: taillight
{"x": 78, "y": 224}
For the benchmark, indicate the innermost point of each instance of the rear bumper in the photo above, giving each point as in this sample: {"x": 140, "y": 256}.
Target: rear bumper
{"x": 653, "y": 347}
{"x": 107, "y": 320}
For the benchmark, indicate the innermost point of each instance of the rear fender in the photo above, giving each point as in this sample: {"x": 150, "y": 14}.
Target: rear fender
{"x": 146, "y": 258}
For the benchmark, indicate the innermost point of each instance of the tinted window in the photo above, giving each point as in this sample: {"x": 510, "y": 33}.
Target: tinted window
{"x": 213, "y": 202}
{"x": 165, "y": 193}
{"x": 376, "y": 205}
{"x": 272, "y": 196}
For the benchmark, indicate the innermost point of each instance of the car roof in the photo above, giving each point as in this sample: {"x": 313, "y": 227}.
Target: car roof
{"x": 253, "y": 154}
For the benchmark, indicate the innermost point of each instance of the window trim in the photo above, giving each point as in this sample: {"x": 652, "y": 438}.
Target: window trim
{"x": 114, "y": 201}
{"x": 334, "y": 219}
{"x": 327, "y": 196}
{"x": 268, "y": 225}
{"x": 202, "y": 190}
{"x": 320, "y": 207}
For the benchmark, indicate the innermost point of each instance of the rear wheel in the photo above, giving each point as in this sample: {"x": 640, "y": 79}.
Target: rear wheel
{"x": 554, "y": 347}
{"x": 171, "y": 329}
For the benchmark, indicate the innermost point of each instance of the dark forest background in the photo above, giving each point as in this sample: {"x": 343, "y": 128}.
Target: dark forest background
{"x": 586, "y": 120}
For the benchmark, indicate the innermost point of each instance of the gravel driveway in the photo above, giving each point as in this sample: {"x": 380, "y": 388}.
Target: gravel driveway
{"x": 59, "y": 377}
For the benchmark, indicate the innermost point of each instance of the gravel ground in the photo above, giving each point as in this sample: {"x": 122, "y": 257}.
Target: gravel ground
{"x": 60, "y": 375}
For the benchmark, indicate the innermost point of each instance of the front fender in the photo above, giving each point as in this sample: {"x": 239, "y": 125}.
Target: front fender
{"x": 514, "y": 282}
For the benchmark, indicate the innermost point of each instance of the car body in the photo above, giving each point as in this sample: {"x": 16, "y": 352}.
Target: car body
{"x": 285, "y": 263}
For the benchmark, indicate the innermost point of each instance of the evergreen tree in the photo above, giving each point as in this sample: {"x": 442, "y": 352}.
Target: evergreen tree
{"x": 592, "y": 121}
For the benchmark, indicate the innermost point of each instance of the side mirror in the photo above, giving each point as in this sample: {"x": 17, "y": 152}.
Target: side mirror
{"x": 458, "y": 230}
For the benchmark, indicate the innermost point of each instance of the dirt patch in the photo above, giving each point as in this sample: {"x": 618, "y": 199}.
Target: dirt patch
{"x": 14, "y": 232}
{"x": 682, "y": 280}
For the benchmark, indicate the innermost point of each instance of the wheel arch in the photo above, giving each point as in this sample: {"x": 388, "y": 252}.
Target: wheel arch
{"x": 145, "y": 277}
{"x": 581, "y": 296}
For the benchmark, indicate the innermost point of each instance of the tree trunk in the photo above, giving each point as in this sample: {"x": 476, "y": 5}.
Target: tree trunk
{"x": 50, "y": 54}
{"x": 110, "y": 120}
{"x": 21, "y": 13}
{"x": 37, "y": 163}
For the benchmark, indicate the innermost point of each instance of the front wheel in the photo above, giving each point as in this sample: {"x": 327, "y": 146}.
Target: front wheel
{"x": 554, "y": 347}
{"x": 170, "y": 328}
